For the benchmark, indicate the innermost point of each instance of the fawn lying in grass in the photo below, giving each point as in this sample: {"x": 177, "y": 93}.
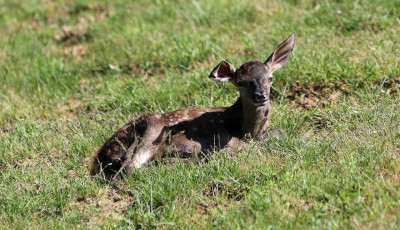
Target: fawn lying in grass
{"x": 196, "y": 132}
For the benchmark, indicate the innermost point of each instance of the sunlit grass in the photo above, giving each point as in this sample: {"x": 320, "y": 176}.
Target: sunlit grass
{"x": 73, "y": 72}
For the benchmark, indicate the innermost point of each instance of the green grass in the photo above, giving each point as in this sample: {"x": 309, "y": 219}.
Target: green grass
{"x": 62, "y": 94}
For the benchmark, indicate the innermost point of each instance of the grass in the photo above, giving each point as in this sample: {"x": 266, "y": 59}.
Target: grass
{"x": 73, "y": 72}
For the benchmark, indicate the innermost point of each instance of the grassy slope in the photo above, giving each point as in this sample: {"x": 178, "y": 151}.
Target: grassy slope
{"x": 62, "y": 94}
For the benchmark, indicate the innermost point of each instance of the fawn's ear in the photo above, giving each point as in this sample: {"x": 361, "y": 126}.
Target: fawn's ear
{"x": 223, "y": 72}
{"x": 281, "y": 54}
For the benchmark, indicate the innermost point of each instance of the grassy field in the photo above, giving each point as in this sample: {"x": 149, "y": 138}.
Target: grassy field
{"x": 73, "y": 72}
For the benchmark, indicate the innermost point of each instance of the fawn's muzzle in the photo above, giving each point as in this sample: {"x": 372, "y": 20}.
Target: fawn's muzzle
{"x": 260, "y": 97}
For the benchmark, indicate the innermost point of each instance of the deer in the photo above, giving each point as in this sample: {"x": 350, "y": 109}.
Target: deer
{"x": 195, "y": 133}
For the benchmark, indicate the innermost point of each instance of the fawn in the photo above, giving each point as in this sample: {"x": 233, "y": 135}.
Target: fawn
{"x": 192, "y": 132}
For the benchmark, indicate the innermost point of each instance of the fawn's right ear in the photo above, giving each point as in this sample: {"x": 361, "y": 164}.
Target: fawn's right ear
{"x": 281, "y": 55}
{"x": 223, "y": 72}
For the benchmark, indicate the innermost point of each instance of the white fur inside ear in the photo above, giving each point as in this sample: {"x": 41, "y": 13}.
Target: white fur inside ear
{"x": 223, "y": 72}
{"x": 281, "y": 54}
{"x": 223, "y": 79}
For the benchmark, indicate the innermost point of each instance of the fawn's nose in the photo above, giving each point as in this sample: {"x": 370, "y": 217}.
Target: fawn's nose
{"x": 260, "y": 97}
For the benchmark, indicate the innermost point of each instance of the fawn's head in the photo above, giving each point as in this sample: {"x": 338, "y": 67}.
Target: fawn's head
{"x": 254, "y": 79}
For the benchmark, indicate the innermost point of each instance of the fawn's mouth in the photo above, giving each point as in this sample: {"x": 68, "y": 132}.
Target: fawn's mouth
{"x": 260, "y": 103}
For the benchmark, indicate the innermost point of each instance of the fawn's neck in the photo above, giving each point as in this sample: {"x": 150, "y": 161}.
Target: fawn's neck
{"x": 253, "y": 120}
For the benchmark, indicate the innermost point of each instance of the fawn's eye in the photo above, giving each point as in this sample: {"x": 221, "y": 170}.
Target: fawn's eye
{"x": 270, "y": 79}
{"x": 242, "y": 84}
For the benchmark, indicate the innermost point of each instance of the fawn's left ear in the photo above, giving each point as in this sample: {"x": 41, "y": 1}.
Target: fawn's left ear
{"x": 281, "y": 54}
{"x": 223, "y": 72}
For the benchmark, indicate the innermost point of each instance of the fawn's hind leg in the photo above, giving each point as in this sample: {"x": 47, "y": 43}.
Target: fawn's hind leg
{"x": 148, "y": 147}
{"x": 134, "y": 144}
{"x": 153, "y": 143}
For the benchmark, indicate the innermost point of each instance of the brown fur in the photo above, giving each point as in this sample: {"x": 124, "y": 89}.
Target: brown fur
{"x": 193, "y": 133}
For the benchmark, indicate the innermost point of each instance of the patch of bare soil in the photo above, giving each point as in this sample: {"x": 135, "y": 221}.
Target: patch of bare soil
{"x": 230, "y": 192}
{"x": 312, "y": 96}
{"x": 3, "y": 55}
{"x": 77, "y": 51}
{"x": 391, "y": 85}
{"x": 24, "y": 163}
{"x": 7, "y": 129}
{"x": 29, "y": 162}
{"x": 74, "y": 34}
{"x": 108, "y": 203}
{"x": 325, "y": 94}
{"x": 320, "y": 121}
{"x": 68, "y": 110}
{"x": 148, "y": 70}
